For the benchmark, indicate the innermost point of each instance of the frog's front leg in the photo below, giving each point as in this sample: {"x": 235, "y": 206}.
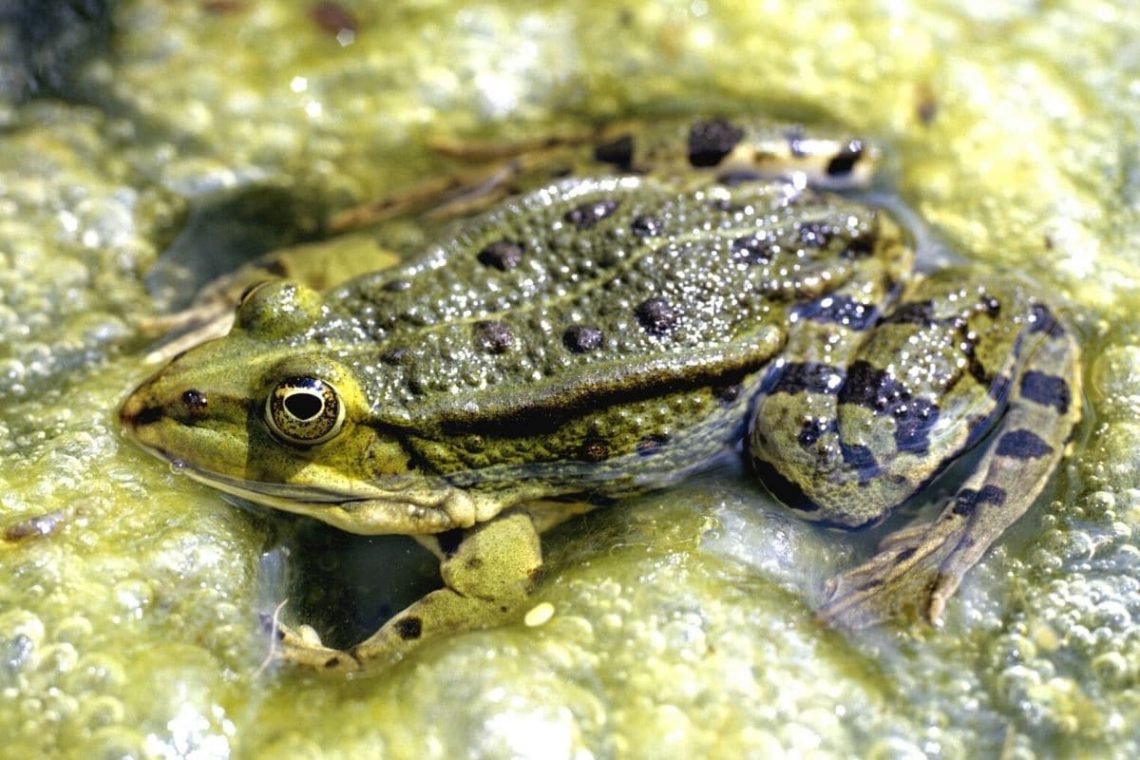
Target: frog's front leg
{"x": 487, "y": 574}
{"x": 872, "y": 411}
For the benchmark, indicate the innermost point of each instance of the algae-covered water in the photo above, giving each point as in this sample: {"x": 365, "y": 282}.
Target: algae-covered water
{"x": 133, "y": 601}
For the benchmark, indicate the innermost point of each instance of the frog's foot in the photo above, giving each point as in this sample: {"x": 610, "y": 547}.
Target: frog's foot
{"x": 302, "y": 646}
{"x": 487, "y": 577}
{"x": 904, "y": 579}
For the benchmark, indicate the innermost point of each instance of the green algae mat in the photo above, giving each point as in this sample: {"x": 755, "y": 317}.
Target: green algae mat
{"x": 146, "y": 147}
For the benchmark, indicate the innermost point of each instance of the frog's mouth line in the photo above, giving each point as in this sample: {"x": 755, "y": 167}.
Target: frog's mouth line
{"x": 302, "y": 498}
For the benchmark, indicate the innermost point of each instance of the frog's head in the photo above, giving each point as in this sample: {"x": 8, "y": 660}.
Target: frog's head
{"x": 269, "y": 415}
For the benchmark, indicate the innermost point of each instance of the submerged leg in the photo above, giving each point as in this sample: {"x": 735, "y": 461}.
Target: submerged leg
{"x": 487, "y": 575}
{"x": 917, "y": 569}
{"x": 864, "y": 414}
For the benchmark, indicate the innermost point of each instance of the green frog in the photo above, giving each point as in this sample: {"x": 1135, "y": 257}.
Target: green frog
{"x": 693, "y": 291}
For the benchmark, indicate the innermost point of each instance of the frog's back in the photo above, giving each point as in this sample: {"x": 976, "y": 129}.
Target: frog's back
{"x": 598, "y": 321}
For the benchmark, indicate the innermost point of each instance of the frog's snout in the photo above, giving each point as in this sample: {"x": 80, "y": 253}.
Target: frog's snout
{"x": 145, "y": 406}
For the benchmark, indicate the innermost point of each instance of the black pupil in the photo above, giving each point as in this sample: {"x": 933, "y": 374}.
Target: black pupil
{"x": 304, "y": 406}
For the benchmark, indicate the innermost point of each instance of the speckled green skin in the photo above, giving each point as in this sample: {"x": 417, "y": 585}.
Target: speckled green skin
{"x": 602, "y": 336}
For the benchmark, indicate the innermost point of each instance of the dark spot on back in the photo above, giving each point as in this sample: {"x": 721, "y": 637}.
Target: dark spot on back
{"x": 595, "y": 450}
{"x": 840, "y": 310}
{"x": 753, "y": 249}
{"x": 806, "y": 377}
{"x": 502, "y": 255}
{"x": 1022, "y": 444}
{"x": 645, "y": 226}
{"x": 815, "y": 234}
{"x": 618, "y": 152}
{"x": 582, "y": 338}
{"x": 656, "y": 315}
{"x": 844, "y": 161}
{"x": 409, "y": 628}
{"x": 397, "y": 286}
{"x": 588, "y": 214}
{"x": 394, "y": 357}
{"x": 1047, "y": 390}
{"x": 651, "y": 444}
{"x": 493, "y": 337}
{"x": 991, "y": 305}
{"x": 725, "y": 205}
{"x": 711, "y": 141}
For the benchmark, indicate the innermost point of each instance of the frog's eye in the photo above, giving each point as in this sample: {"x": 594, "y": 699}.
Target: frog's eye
{"x": 304, "y": 411}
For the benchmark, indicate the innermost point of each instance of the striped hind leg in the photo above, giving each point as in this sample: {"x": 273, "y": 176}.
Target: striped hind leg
{"x": 922, "y": 565}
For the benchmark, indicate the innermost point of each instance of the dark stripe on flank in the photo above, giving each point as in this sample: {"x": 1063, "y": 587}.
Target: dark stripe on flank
{"x": 1047, "y": 390}
{"x": 1023, "y": 444}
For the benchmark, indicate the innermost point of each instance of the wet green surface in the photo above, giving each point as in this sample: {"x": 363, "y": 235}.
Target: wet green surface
{"x": 683, "y": 622}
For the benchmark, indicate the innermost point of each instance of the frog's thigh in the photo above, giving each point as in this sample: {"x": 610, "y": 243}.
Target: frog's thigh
{"x": 918, "y": 568}
{"x": 486, "y": 577}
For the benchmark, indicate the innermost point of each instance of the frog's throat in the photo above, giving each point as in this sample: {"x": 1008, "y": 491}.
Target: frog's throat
{"x": 365, "y": 509}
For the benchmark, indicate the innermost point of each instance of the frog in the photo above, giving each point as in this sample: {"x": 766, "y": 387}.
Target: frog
{"x": 691, "y": 292}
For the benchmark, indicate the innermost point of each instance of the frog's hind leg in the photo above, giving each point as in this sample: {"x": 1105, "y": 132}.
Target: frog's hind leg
{"x": 917, "y": 569}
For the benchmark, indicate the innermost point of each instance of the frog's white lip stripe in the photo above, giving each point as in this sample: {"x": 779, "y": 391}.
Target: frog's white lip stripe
{"x": 286, "y": 496}
{"x": 366, "y": 511}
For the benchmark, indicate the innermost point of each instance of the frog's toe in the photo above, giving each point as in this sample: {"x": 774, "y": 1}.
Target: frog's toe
{"x": 904, "y": 581}
{"x": 302, "y": 646}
